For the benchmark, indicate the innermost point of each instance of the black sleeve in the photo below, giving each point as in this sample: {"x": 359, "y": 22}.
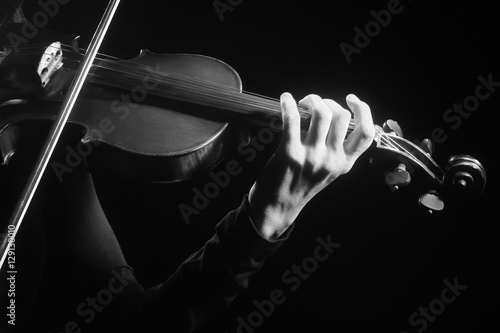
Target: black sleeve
{"x": 204, "y": 284}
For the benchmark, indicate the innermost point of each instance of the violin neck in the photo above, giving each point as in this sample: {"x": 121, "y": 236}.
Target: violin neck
{"x": 234, "y": 104}
{"x": 256, "y": 109}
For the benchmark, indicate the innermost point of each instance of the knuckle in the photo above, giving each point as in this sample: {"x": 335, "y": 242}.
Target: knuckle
{"x": 364, "y": 108}
{"x": 292, "y": 115}
{"x": 345, "y": 114}
{"x": 363, "y": 105}
{"x": 360, "y": 107}
{"x": 293, "y": 153}
{"x": 323, "y": 113}
{"x": 314, "y": 159}
{"x": 313, "y": 97}
{"x": 368, "y": 132}
{"x": 338, "y": 165}
{"x": 311, "y": 101}
{"x": 319, "y": 108}
{"x": 342, "y": 115}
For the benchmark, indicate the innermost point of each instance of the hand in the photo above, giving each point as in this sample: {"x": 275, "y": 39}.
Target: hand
{"x": 300, "y": 169}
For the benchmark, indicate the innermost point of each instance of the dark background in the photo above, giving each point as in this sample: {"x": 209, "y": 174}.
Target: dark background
{"x": 394, "y": 256}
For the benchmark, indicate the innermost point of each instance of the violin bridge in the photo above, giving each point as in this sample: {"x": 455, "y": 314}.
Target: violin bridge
{"x": 50, "y": 62}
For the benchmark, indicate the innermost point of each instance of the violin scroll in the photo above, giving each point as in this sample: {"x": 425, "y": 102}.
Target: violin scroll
{"x": 462, "y": 172}
{"x": 465, "y": 173}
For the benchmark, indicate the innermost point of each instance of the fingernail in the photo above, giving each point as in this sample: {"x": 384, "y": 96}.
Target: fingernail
{"x": 283, "y": 96}
{"x": 352, "y": 97}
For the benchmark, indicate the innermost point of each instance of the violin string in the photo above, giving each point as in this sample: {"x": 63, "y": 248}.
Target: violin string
{"x": 140, "y": 74}
{"x": 189, "y": 84}
{"x": 389, "y": 141}
{"x": 216, "y": 92}
{"x": 140, "y": 71}
{"x": 199, "y": 87}
{"x": 202, "y": 83}
{"x": 197, "y": 90}
{"x": 64, "y": 47}
{"x": 186, "y": 83}
{"x": 229, "y": 93}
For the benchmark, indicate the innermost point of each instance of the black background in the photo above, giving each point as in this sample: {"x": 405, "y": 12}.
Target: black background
{"x": 394, "y": 256}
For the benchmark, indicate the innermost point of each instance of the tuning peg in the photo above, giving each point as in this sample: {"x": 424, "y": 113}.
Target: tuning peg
{"x": 432, "y": 201}
{"x": 391, "y": 126}
{"x": 399, "y": 177}
{"x": 427, "y": 146}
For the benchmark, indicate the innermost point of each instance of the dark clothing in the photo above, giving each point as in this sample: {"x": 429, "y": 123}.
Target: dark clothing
{"x": 96, "y": 290}
{"x": 204, "y": 284}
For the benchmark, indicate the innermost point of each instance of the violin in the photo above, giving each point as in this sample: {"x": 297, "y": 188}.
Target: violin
{"x": 167, "y": 117}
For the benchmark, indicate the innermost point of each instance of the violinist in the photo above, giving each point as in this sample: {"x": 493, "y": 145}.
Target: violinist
{"x": 94, "y": 289}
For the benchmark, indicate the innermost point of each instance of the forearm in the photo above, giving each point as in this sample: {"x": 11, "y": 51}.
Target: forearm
{"x": 207, "y": 281}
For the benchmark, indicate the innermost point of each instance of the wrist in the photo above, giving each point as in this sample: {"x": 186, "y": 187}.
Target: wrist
{"x": 271, "y": 219}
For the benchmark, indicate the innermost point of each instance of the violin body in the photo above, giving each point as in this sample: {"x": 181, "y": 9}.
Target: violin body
{"x": 124, "y": 127}
{"x": 162, "y": 118}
